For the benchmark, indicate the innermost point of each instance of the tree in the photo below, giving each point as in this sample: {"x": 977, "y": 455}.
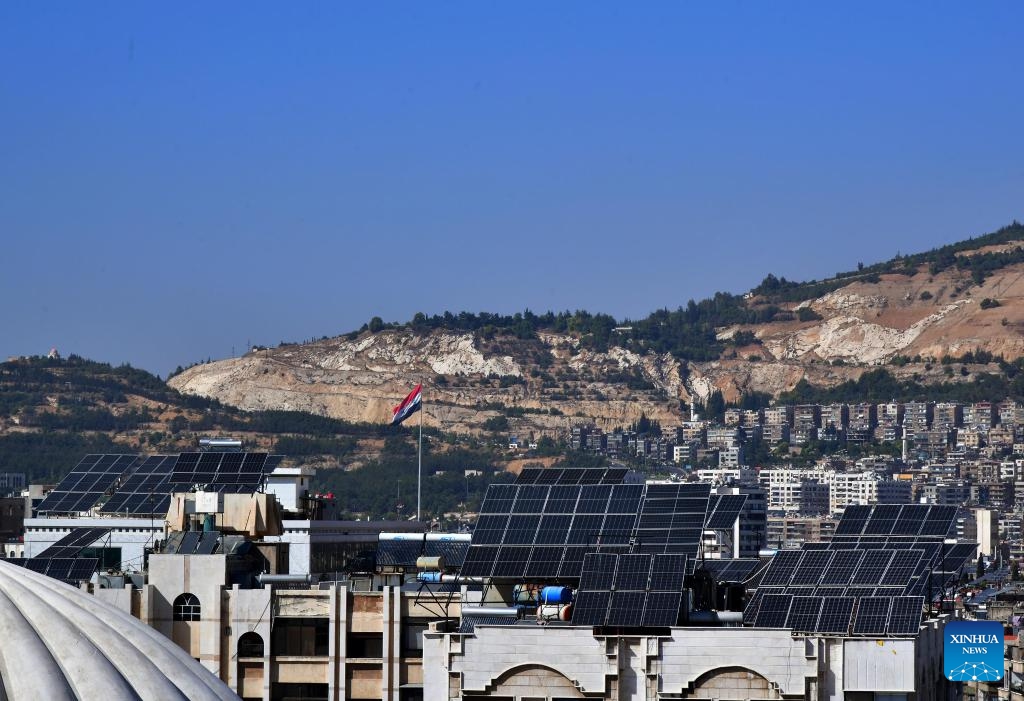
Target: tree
{"x": 1014, "y": 571}
{"x": 981, "y": 566}
{"x": 376, "y": 324}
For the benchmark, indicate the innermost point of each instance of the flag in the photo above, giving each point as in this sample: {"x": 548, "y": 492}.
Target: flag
{"x": 409, "y": 406}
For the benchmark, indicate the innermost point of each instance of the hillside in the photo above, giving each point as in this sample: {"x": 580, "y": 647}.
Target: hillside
{"x": 52, "y": 411}
{"x": 542, "y": 373}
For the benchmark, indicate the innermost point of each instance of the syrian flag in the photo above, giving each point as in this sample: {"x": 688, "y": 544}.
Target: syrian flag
{"x": 409, "y": 406}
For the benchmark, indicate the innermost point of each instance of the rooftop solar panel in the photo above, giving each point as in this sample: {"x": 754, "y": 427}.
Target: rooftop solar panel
{"x": 662, "y": 608}
{"x": 872, "y": 615}
{"x": 773, "y": 611}
{"x": 726, "y": 511}
{"x": 803, "y": 614}
{"x": 86, "y": 484}
{"x": 74, "y": 543}
{"x": 905, "y": 616}
{"x": 626, "y": 609}
{"x": 853, "y": 520}
{"x": 591, "y": 608}
{"x": 781, "y": 569}
{"x": 836, "y": 615}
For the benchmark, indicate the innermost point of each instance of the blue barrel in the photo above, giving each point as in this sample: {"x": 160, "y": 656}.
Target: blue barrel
{"x": 556, "y": 595}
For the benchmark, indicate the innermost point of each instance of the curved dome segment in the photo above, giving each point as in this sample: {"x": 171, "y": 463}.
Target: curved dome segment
{"x": 70, "y": 645}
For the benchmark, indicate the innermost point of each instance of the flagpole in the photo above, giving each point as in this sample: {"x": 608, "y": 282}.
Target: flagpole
{"x": 419, "y": 459}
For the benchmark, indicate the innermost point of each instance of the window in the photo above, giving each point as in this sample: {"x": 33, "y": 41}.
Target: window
{"x": 302, "y": 637}
{"x": 412, "y": 639}
{"x": 250, "y": 645}
{"x": 186, "y": 607}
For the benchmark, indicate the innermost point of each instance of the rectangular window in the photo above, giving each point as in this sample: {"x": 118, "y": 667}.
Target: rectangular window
{"x": 300, "y": 637}
{"x": 412, "y": 639}
{"x": 364, "y": 645}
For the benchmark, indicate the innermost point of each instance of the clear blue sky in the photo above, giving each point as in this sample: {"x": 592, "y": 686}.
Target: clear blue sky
{"x": 177, "y": 180}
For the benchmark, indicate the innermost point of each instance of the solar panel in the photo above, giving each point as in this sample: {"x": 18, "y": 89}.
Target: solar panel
{"x": 821, "y": 592}
{"x": 840, "y": 570}
{"x": 882, "y": 519}
{"x": 939, "y": 521}
{"x": 553, "y": 529}
{"x": 587, "y": 518}
{"x": 836, "y": 615}
{"x": 811, "y": 567}
{"x": 754, "y": 604}
{"x": 905, "y": 617}
{"x": 668, "y": 573}
{"x": 490, "y": 529}
{"x": 511, "y": 561}
{"x": 530, "y": 499}
{"x": 633, "y": 572}
{"x": 189, "y": 542}
{"x": 662, "y": 608}
{"x": 528, "y": 475}
{"x": 726, "y": 511}
{"x": 598, "y": 571}
{"x": 901, "y": 569}
{"x": 591, "y": 608}
{"x": 853, "y": 520}
{"x": 208, "y": 543}
{"x": 626, "y": 499}
{"x": 544, "y": 562}
{"x": 956, "y": 556}
{"x": 521, "y": 529}
{"x": 781, "y": 569}
{"x": 626, "y": 609}
{"x": 479, "y": 560}
{"x": 73, "y": 543}
{"x": 238, "y": 472}
{"x": 803, "y": 613}
{"x": 912, "y": 517}
{"x": 872, "y": 615}
{"x": 773, "y": 611}
{"x": 562, "y": 500}
{"x": 872, "y": 567}
{"x": 86, "y": 484}
{"x": 572, "y": 562}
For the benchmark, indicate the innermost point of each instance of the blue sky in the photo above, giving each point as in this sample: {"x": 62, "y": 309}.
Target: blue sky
{"x": 179, "y": 180}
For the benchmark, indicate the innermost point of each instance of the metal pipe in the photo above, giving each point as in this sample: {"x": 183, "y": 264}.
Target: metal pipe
{"x": 284, "y": 578}
{"x": 510, "y": 611}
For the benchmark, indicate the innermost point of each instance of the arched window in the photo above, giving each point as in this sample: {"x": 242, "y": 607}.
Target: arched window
{"x": 250, "y": 645}
{"x": 186, "y": 607}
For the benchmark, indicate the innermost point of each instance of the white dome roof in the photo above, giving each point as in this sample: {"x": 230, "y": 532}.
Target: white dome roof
{"x": 62, "y": 643}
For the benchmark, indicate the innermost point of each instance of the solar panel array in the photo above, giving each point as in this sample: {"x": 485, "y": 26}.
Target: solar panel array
{"x": 572, "y": 475}
{"x": 146, "y": 492}
{"x": 192, "y": 543}
{"x": 724, "y": 509}
{"x": 223, "y": 472}
{"x": 534, "y": 531}
{"x": 86, "y": 484}
{"x": 630, "y": 590}
{"x": 66, "y": 569}
{"x": 869, "y": 580}
{"x": 73, "y": 543}
{"x": 927, "y": 520}
{"x": 876, "y": 616}
{"x": 734, "y": 570}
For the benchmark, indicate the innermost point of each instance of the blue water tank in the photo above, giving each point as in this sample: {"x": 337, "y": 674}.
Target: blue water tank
{"x": 556, "y": 595}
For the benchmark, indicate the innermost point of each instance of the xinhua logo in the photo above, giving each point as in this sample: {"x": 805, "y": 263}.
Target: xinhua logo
{"x": 973, "y": 651}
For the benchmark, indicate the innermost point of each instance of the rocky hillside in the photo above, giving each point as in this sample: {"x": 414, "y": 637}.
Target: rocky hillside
{"x": 906, "y": 314}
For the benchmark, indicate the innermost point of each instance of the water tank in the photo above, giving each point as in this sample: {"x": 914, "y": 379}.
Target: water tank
{"x": 556, "y": 595}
